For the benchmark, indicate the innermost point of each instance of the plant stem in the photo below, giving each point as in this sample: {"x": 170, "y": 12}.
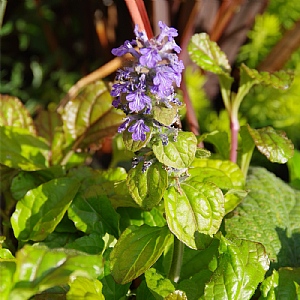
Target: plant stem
{"x": 234, "y": 128}
{"x": 174, "y": 273}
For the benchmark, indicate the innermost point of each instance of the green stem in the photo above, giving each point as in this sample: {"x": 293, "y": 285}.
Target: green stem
{"x": 174, "y": 273}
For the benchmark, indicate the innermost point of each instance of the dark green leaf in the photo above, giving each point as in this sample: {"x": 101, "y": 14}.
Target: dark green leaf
{"x": 6, "y": 174}
{"x": 112, "y": 290}
{"x": 91, "y": 244}
{"x": 278, "y": 80}
{"x": 269, "y": 214}
{"x": 241, "y": 267}
{"x": 273, "y": 144}
{"x": 20, "y": 149}
{"x": 294, "y": 169}
{"x": 196, "y": 208}
{"x": 93, "y": 212}
{"x": 148, "y": 187}
{"x": 159, "y": 286}
{"x": 13, "y": 113}
{"x": 208, "y": 55}
{"x": 179, "y": 153}
{"x": 42, "y": 208}
{"x": 40, "y": 268}
{"x": 141, "y": 246}
{"x": 282, "y": 284}
{"x": 90, "y": 117}
{"x": 143, "y": 292}
{"x": 82, "y": 288}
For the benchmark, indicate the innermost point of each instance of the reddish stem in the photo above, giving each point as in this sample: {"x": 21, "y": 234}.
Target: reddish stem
{"x": 234, "y": 127}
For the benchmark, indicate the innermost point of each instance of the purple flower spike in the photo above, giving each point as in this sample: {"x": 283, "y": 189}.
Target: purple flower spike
{"x": 150, "y": 57}
{"x": 138, "y": 100}
{"x": 126, "y": 48}
{"x": 139, "y": 130}
{"x": 166, "y": 31}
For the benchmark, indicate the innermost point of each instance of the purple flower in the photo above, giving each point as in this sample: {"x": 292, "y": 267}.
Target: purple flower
{"x": 139, "y": 130}
{"x": 164, "y": 77}
{"x": 166, "y": 31}
{"x": 138, "y": 100}
{"x": 150, "y": 57}
{"x": 126, "y": 48}
{"x": 141, "y": 35}
{"x": 119, "y": 88}
{"x": 124, "y": 125}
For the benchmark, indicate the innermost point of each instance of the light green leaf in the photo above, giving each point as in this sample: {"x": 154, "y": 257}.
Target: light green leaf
{"x": 177, "y": 295}
{"x": 165, "y": 115}
{"x": 148, "y": 187}
{"x": 20, "y": 149}
{"x": 40, "y": 268}
{"x": 42, "y": 208}
{"x": 112, "y": 290}
{"x": 142, "y": 246}
{"x": 241, "y": 267}
{"x": 7, "y": 270}
{"x": 202, "y": 153}
{"x": 208, "y": 55}
{"x": 279, "y": 80}
{"x": 179, "y": 153}
{"x": 294, "y": 170}
{"x": 14, "y": 113}
{"x": 90, "y": 117}
{"x": 196, "y": 208}
{"x": 158, "y": 285}
{"x": 225, "y": 174}
{"x": 93, "y": 213}
{"x": 82, "y": 288}
{"x": 272, "y": 143}
{"x": 282, "y": 284}
{"x": 269, "y": 214}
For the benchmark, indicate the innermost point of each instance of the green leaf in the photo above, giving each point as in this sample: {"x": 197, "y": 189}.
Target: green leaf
{"x": 159, "y": 286}
{"x": 13, "y": 113}
{"x": 40, "y": 268}
{"x": 208, "y": 55}
{"x": 82, "y": 288}
{"x": 132, "y": 145}
{"x": 20, "y": 149}
{"x": 90, "y": 117}
{"x": 42, "y": 208}
{"x": 225, "y": 174}
{"x": 241, "y": 267}
{"x": 294, "y": 169}
{"x": 179, "y": 153}
{"x": 273, "y": 144}
{"x": 91, "y": 244}
{"x": 142, "y": 246}
{"x": 7, "y": 270}
{"x": 165, "y": 115}
{"x": 279, "y": 80}
{"x": 177, "y": 295}
{"x": 269, "y": 214}
{"x": 148, "y": 187}
{"x": 282, "y": 284}
{"x": 26, "y": 181}
{"x": 196, "y": 208}
{"x": 112, "y": 290}
{"x": 143, "y": 292}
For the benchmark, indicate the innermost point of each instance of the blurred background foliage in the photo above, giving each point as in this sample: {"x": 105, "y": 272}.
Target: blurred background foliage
{"x": 48, "y": 45}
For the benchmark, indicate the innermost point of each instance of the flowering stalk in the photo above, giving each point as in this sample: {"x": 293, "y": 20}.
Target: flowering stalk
{"x": 147, "y": 83}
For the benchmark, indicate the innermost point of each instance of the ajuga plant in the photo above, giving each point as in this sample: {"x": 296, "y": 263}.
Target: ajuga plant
{"x": 182, "y": 223}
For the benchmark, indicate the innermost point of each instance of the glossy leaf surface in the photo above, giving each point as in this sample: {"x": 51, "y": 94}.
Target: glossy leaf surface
{"x": 20, "y": 149}
{"x": 42, "y": 208}
{"x": 141, "y": 246}
{"x": 148, "y": 187}
{"x": 196, "y": 208}
{"x": 179, "y": 153}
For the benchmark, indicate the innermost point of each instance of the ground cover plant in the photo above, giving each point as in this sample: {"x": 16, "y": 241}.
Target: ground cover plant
{"x": 186, "y": 217}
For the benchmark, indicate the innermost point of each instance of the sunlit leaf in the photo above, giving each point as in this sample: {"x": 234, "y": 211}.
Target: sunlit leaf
{"x": 282, "y": 284}
{"x": 165, "y": 115}
{"x": 7, "y": 270}
{"x": 40, "y": 268}
{"x": 13, "y": 113}
{"x": 179, "y": 153}
{"x": 272, "y": 143}
{"x": 141, "y": 246}
{"x": 196, "y": 208}
{"x": 241, "y": 267}
{"x": 82, "y": 288}
{"x": 177, "y": 295}
{"x": 148, "y": 187}
{"x": 42, "y": 208}
{"x": 20, "y": 149}
{"x": 269, "y": 214}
